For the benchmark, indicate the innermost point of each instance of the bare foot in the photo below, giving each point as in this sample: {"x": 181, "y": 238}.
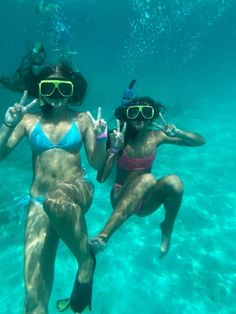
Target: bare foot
{"x": 98, "y": 243}
{"x": 165, "y": 241}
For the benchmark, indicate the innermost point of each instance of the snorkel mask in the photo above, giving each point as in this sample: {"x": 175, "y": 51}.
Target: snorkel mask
{"x": 56, "y": 88}
{"x": 137, "y": 108}
{"x": 140, "y": 112}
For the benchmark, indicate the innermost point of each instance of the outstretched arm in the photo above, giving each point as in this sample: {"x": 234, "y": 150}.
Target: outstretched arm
{"x": 173, "y": 135}
{"x": 188, "y": 138}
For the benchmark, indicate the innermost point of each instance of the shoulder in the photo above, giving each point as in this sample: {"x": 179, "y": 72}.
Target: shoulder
{"x": 29, "y": 120}
{"x": 84, "y": 121}
{"x": 31, "y": 117}
{"x": 155, "y": 134}
{"x": 83, "y": 117}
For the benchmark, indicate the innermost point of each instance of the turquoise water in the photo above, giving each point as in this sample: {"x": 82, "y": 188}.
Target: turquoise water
{"x": 182, "y": 53}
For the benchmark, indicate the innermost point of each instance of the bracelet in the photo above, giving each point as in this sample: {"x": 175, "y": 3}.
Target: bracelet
{"x": 115, "y": 150}
{"x": 9, "y": 125}
{"x": 101, "y": 137}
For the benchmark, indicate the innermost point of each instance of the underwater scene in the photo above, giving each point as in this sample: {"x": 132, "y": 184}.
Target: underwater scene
{"x": 181, "y": 53}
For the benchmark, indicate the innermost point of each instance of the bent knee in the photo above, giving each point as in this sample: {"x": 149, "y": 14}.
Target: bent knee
{"x": 147, "y": 180}
{"x": 174, "y": 183}
{"x": 56, "y": 204}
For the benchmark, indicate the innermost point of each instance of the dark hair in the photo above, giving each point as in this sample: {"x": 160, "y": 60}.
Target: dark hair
{"x": 120, "y": 112}
{"x": 30, "y": 81}
{"x": 64, "y": 70}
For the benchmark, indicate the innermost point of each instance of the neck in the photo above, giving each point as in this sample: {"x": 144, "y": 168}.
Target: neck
{"x": 130, "y": 133}
{"x": 58, "y": 114}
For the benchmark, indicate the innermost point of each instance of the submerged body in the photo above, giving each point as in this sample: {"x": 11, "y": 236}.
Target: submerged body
{"x": 136, "y": 190}
{"x": 60, "y": 193}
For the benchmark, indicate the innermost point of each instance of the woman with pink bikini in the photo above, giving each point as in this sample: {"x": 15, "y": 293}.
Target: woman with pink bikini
{"x": 133, "y": 147}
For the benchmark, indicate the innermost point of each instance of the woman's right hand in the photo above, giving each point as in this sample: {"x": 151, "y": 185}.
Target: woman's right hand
{"x": 15, "y": 113}
{"x": 117, "y": 137}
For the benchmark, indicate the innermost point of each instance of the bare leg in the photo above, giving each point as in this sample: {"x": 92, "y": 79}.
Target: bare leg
{"x": 152, "y": 194}
{"x": 168, "y": 191}
{"x": 65, "y": 207}
{"x": 125, "y": 204}
{"x": 41, "y": 243}
{"x": 129, "y": 199}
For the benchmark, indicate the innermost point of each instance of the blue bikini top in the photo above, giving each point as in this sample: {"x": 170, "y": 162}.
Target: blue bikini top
{"x": 70, "y": 141}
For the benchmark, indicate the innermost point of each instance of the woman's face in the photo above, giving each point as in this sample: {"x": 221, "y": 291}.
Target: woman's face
{"x": 139, "y": 116}
{"x": 55, "y": 91}
{"x": 139, "y": 124}
{"x": 55, "y": 102}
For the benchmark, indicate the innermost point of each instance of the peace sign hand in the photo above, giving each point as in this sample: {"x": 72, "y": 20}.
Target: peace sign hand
{"x": 100, "y": 125}
{"x": 117, "y": 137}
{"x": 15, "y": 113}
{"x": 169, "y": 129}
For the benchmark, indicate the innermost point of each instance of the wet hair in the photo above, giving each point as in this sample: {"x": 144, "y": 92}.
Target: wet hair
{"x": 64, "y": 71}
{"x": 120, "y": 112}
{"x": 30, "y": 82}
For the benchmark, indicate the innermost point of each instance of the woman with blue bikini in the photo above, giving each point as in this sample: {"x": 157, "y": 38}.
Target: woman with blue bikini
{"x": 60, "y": 193}
{"x": 133, "y": 147}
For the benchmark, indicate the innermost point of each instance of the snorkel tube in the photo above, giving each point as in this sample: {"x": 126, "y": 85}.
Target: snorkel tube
{"x": 125, "y": 100}
{"x": 128, "y": 93}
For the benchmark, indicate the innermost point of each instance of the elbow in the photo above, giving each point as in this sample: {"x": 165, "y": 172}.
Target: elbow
{"x": 97, "y": 166}
{"x": 198, "y": 141}
{"x": 202, "y": 141}
{"x": 100, "y": 178}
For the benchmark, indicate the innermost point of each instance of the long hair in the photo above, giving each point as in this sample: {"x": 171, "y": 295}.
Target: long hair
{"x": 30, "y": 81}
{"x": 65, "y": 71}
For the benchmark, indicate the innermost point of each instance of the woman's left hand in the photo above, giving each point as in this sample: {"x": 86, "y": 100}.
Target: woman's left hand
{"x": 100, "y": 125}
{"x": 169, "y": 129}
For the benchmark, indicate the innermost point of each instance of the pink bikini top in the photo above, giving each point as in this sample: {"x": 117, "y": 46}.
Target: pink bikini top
{"x": 129, "y": 163}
